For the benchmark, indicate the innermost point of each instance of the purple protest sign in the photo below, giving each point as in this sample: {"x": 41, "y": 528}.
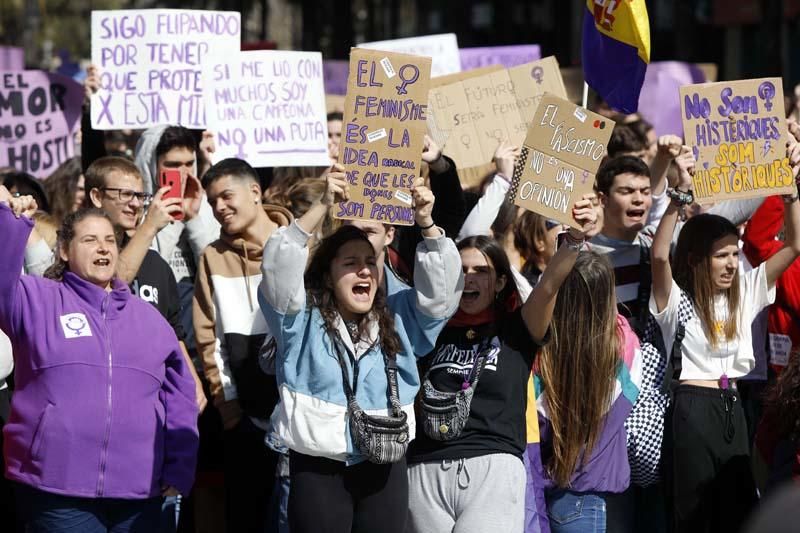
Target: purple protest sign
{"x": 12, "y": 58}
{"x": 39, "y": 112}
{"x": 335, "y": 73}
{"x": 508, "y": 56}
{"x": 659, "y": 101}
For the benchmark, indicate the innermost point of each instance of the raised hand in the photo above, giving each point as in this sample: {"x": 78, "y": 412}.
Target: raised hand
{"x": 423, "y": 203}
{"x": 337, "y": 187}
{"x": 669, "y": 146}
{"x": 585, "y": 214}
{"x": 505, "y": 158}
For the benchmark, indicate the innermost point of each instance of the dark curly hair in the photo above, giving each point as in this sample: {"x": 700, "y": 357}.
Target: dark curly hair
{"x": 319, "y": 291}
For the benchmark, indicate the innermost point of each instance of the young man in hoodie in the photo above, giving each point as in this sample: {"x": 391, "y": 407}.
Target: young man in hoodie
{"x": 233, "y": 339}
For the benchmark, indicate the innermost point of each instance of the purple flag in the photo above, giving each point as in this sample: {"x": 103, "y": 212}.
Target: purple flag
{"x": 335, "y": 72}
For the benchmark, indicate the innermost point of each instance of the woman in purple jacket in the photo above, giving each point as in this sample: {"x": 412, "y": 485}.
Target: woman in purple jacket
{"x": 103, "y": 419}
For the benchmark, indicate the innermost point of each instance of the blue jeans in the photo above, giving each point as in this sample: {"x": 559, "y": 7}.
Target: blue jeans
{"x": 576, "y": 512}
{"x": 44, "y": 512}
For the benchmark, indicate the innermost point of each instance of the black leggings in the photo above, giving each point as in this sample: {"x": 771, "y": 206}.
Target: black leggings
{"x": 713, "y": 486}
{"x": 329, "y": 497}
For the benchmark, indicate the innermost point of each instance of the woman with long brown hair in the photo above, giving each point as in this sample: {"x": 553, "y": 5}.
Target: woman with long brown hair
{"x": 346, "y": 365}
{"x": 705, "y": 308}
{"x": 586, "y": 380}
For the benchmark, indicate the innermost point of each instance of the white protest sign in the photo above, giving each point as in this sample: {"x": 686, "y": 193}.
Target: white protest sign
{"x": 150, "y": 63}
{"x": 443, "y": 48}
{"x": 268, "y": 107}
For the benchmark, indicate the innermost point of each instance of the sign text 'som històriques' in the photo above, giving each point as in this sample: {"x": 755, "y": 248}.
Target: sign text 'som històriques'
{"x": 737, "y": 131}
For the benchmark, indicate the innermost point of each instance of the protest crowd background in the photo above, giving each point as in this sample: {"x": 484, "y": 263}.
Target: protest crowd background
{"x": 359, "y": 266}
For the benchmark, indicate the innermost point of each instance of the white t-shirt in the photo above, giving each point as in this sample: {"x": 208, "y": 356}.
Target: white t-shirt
{"x": 734, "y": 357}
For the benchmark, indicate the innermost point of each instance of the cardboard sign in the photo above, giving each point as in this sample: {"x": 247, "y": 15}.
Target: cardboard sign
{"x": 383, "y": 134}
{"x": 507, "y": 56}
{"x": 39, "y": 113}
{"x": 12, "y": 58}
{"x": 267, "y": 107}
{"x": 561, "y": 155}
{"x": 476, "y": 114}
{"x": 737, "y": 131}
{"x": 335, "y": 74}
{"x": 442, "y": 48}
{"x": 150, "y": 63}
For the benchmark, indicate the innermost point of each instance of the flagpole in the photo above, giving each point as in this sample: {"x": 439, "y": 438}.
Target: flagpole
{"x": 585, "y": 95}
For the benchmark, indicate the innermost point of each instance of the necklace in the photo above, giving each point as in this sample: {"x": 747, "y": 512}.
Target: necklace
{"x": 724, "y": 382}
{"x": 352, "y": 330}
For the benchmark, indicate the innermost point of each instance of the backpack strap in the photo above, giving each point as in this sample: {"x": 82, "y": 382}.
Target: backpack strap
{"x": 643, "y": 294}
{"x": 675, "y": 361}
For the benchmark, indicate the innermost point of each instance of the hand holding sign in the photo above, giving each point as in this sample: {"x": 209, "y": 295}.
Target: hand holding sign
{"x": 584, "y": 214}
{"x": 337, "y": 189}
{"x": 423, "y": 204}
{"x": 686, "y": 163}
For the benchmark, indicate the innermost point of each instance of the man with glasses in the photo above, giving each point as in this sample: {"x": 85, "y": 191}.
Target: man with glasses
{"x": 115, "y": 185}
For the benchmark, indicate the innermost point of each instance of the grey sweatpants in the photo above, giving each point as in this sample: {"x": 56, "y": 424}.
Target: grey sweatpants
{"x": 476, "y": 495}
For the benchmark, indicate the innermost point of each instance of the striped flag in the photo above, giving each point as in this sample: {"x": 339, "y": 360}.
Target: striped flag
{"x": 616, "y": 50}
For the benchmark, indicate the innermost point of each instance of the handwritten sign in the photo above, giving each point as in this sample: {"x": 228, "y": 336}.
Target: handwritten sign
{"x": 39, "y": 112}
{"x": 737, "y": 131}
{"x": 476, "y": 114}
{"x": 268, "y": 107}
{"x": 442, "y": 48}
{"x": 150, "y": 63}
{"x": 12, "y": 58}
{"x": 383, "y": 135}
{"x": 507, "y": 56}
{"x": 560, "y": 157}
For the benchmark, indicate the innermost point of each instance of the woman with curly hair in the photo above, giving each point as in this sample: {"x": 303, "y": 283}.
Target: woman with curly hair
{"x": 346, "y": 365}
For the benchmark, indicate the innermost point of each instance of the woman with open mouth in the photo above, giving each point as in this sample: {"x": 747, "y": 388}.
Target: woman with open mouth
{"x": 346, "y": 363}
{"x": 103, "y": 420}
{"x": 705, "y": 308}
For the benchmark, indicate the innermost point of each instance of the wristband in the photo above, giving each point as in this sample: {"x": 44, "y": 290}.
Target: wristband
{"x": 680, "y": 198}
{"x": 427, "y": 227}
{"x": 572, "y": 243}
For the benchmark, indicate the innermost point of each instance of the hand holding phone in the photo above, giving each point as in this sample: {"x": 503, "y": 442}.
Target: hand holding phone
{"x": 172, "y": 179}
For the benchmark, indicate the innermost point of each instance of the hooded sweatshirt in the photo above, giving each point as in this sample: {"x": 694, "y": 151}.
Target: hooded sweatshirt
{"x": 105, "y": 404}
{"x": 232, "y": 336}
{"x": 179, "y": 243}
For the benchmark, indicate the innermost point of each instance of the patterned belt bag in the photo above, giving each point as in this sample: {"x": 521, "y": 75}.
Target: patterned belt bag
{"x": 382, "y": 439}
{"x": 444, "y": 414}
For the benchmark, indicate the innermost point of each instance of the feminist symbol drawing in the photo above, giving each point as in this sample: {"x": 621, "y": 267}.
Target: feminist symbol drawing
{"x": 75, "y": 325}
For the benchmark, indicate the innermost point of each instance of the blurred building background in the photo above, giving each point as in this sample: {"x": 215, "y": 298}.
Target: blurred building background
{"x": 745, "y": 38}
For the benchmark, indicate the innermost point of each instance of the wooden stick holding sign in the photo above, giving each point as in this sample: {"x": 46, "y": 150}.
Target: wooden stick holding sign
{"x": 737, "y": 131}
{"x": 383, "y": 134}
{"x": 559, "y": 159}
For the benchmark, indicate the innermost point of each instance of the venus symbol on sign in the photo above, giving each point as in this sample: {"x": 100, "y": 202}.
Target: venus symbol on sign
{"x": 401, "y": 89}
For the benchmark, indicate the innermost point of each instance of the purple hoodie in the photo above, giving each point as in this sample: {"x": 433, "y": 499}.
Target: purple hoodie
{"x": 104, "y": 405}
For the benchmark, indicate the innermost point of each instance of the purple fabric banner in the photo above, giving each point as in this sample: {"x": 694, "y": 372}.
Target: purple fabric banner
{"x": 39, "y": 115}
{"x": 659, "y": 101}
{"x": 334, "y": 72}
{"x": 508, "y": 56}
{"x": 12, "y": 58}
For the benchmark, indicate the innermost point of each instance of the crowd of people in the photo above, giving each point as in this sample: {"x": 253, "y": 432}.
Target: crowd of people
{"x": 234, "y": 359}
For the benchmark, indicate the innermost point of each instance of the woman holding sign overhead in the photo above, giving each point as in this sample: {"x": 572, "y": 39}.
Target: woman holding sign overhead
{"x": 705, "y": 307}
{"x": 346, "y": 365}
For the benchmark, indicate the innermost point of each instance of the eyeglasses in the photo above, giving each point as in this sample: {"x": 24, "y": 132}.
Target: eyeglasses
{"x": 126, "y": 195}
